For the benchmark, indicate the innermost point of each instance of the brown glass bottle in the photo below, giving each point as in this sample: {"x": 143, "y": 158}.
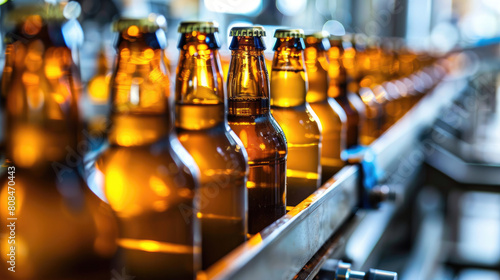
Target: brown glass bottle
{"x": 150, "y": 181}
{"x": 297, "y": 119}
{"x": 362, "y": 80}
{"x": 201, "y": 122}
{"x": 340, "y": 62}
{"x": 250, "y": 118}
{"x": 330, "y": 114}
{"x": 61, "y": 230}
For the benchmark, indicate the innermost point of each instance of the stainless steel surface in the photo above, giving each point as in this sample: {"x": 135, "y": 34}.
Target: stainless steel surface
{"x": 281, "y": 250}
{"x": 461, "y": 171}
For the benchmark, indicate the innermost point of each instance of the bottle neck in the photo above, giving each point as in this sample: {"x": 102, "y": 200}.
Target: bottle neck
{"x": 199, "y": 87}
{"x": 288, "y": 76}
{"x": 41, "y": 107}
{"x": 140, "y": 111}
{"x": 248, "y": 81}
{"x": 317, "y": 71}
{"x": 336, "y": 70}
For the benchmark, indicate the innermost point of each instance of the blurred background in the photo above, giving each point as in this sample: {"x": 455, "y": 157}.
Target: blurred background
{"x": 450, "y": 228}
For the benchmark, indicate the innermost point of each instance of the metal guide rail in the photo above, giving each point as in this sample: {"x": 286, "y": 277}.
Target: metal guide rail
{"x": 285, "y": 247}
{"x": 282, "y": 249}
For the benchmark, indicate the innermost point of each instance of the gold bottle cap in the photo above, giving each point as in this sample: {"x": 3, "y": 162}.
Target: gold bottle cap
{"x": 289, "y": 33}
{"x": 150, "y": 24}
{"x": 248, "y": 31}
{"x": 318, "y": 35}
{"x": 49, "y": 12}
{"x": 200, "y": 26}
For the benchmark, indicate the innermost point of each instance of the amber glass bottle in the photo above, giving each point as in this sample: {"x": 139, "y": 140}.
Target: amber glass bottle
{"x": 56, "y": 228}
{"x": 250, "y": 118}
{"x": 150, "y": 181}
{"x": 295, "y": 116}
{"x": 341, "y": 62}
{"x": 370, "y": 129}
{"x": 330, "y": 114}
{"x": 201, "y": 122}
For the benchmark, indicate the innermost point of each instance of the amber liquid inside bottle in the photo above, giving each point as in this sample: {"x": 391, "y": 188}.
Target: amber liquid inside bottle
{"x": 341, "y": 63}
{"x": 61, "y": 229}
{"x": 150, "y": 180}
{"x": 298, "y": 121}
{"x": 357, "y": 56}
{"x": 330, "y": 114}
{"x": 250, "y": 118}
{"x": 203, "y": 130}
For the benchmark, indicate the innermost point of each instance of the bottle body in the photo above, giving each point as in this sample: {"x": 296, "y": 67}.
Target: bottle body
{"x": 303, "y": 134}
{"x": 150, "y": 181}
{"x": 370, "y": 129}
{"x": 60, "y": 228}
{"x": 266, "y": 149}
{"x": 330, "y": 114}
{"x": 250, "y": 118}
{"x": 341, "y": 62}
{"x": 201, "y": 124}
{"x": 296, "y": 117}
{"x": 155, "y": 205}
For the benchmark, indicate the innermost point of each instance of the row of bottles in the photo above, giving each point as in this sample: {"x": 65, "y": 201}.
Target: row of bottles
{"x": 188, "y": 176}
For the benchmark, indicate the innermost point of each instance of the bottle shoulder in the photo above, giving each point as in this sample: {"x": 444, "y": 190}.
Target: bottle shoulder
{"x": 167, "y": 159}
{"x": 261, "y": 136}
{"x": 298, "y": 119}
{"x": 218, "y": 145}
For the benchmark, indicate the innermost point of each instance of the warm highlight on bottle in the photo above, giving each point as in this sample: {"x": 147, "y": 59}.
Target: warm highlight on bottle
{"x": 295, "y": 116}
{"x": 250, "y": 118}
{"x": 150, "y": 180}
{"x": 58, "y": 228}
{"x": 332, "y": 117}
{"x": 341, "y": 62}
{"x": 202, "y": 127}
{"x": 370, "y": 127}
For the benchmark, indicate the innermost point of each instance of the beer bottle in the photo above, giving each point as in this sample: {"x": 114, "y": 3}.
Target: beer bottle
{"x": 295, "y": 116}
{"x": 56, "y": 227}
{"x": 250, "y": 118}
{"x": 370, "y": 129}
{"x": 332, "y": 117}
{"x": 150, "y": 181}
{"x": 201, "y": 122}
{"x": 342, "y": 62}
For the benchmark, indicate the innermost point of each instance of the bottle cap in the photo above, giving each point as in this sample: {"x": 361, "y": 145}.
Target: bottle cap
{"x": 200, "y": 26}
{"x": 318, "y": 35}
{"x": 248, "y": 31}
{"x": 289, "y": 33}
{"x": 47, "y": 12}
{"x": 150, "y": 24}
